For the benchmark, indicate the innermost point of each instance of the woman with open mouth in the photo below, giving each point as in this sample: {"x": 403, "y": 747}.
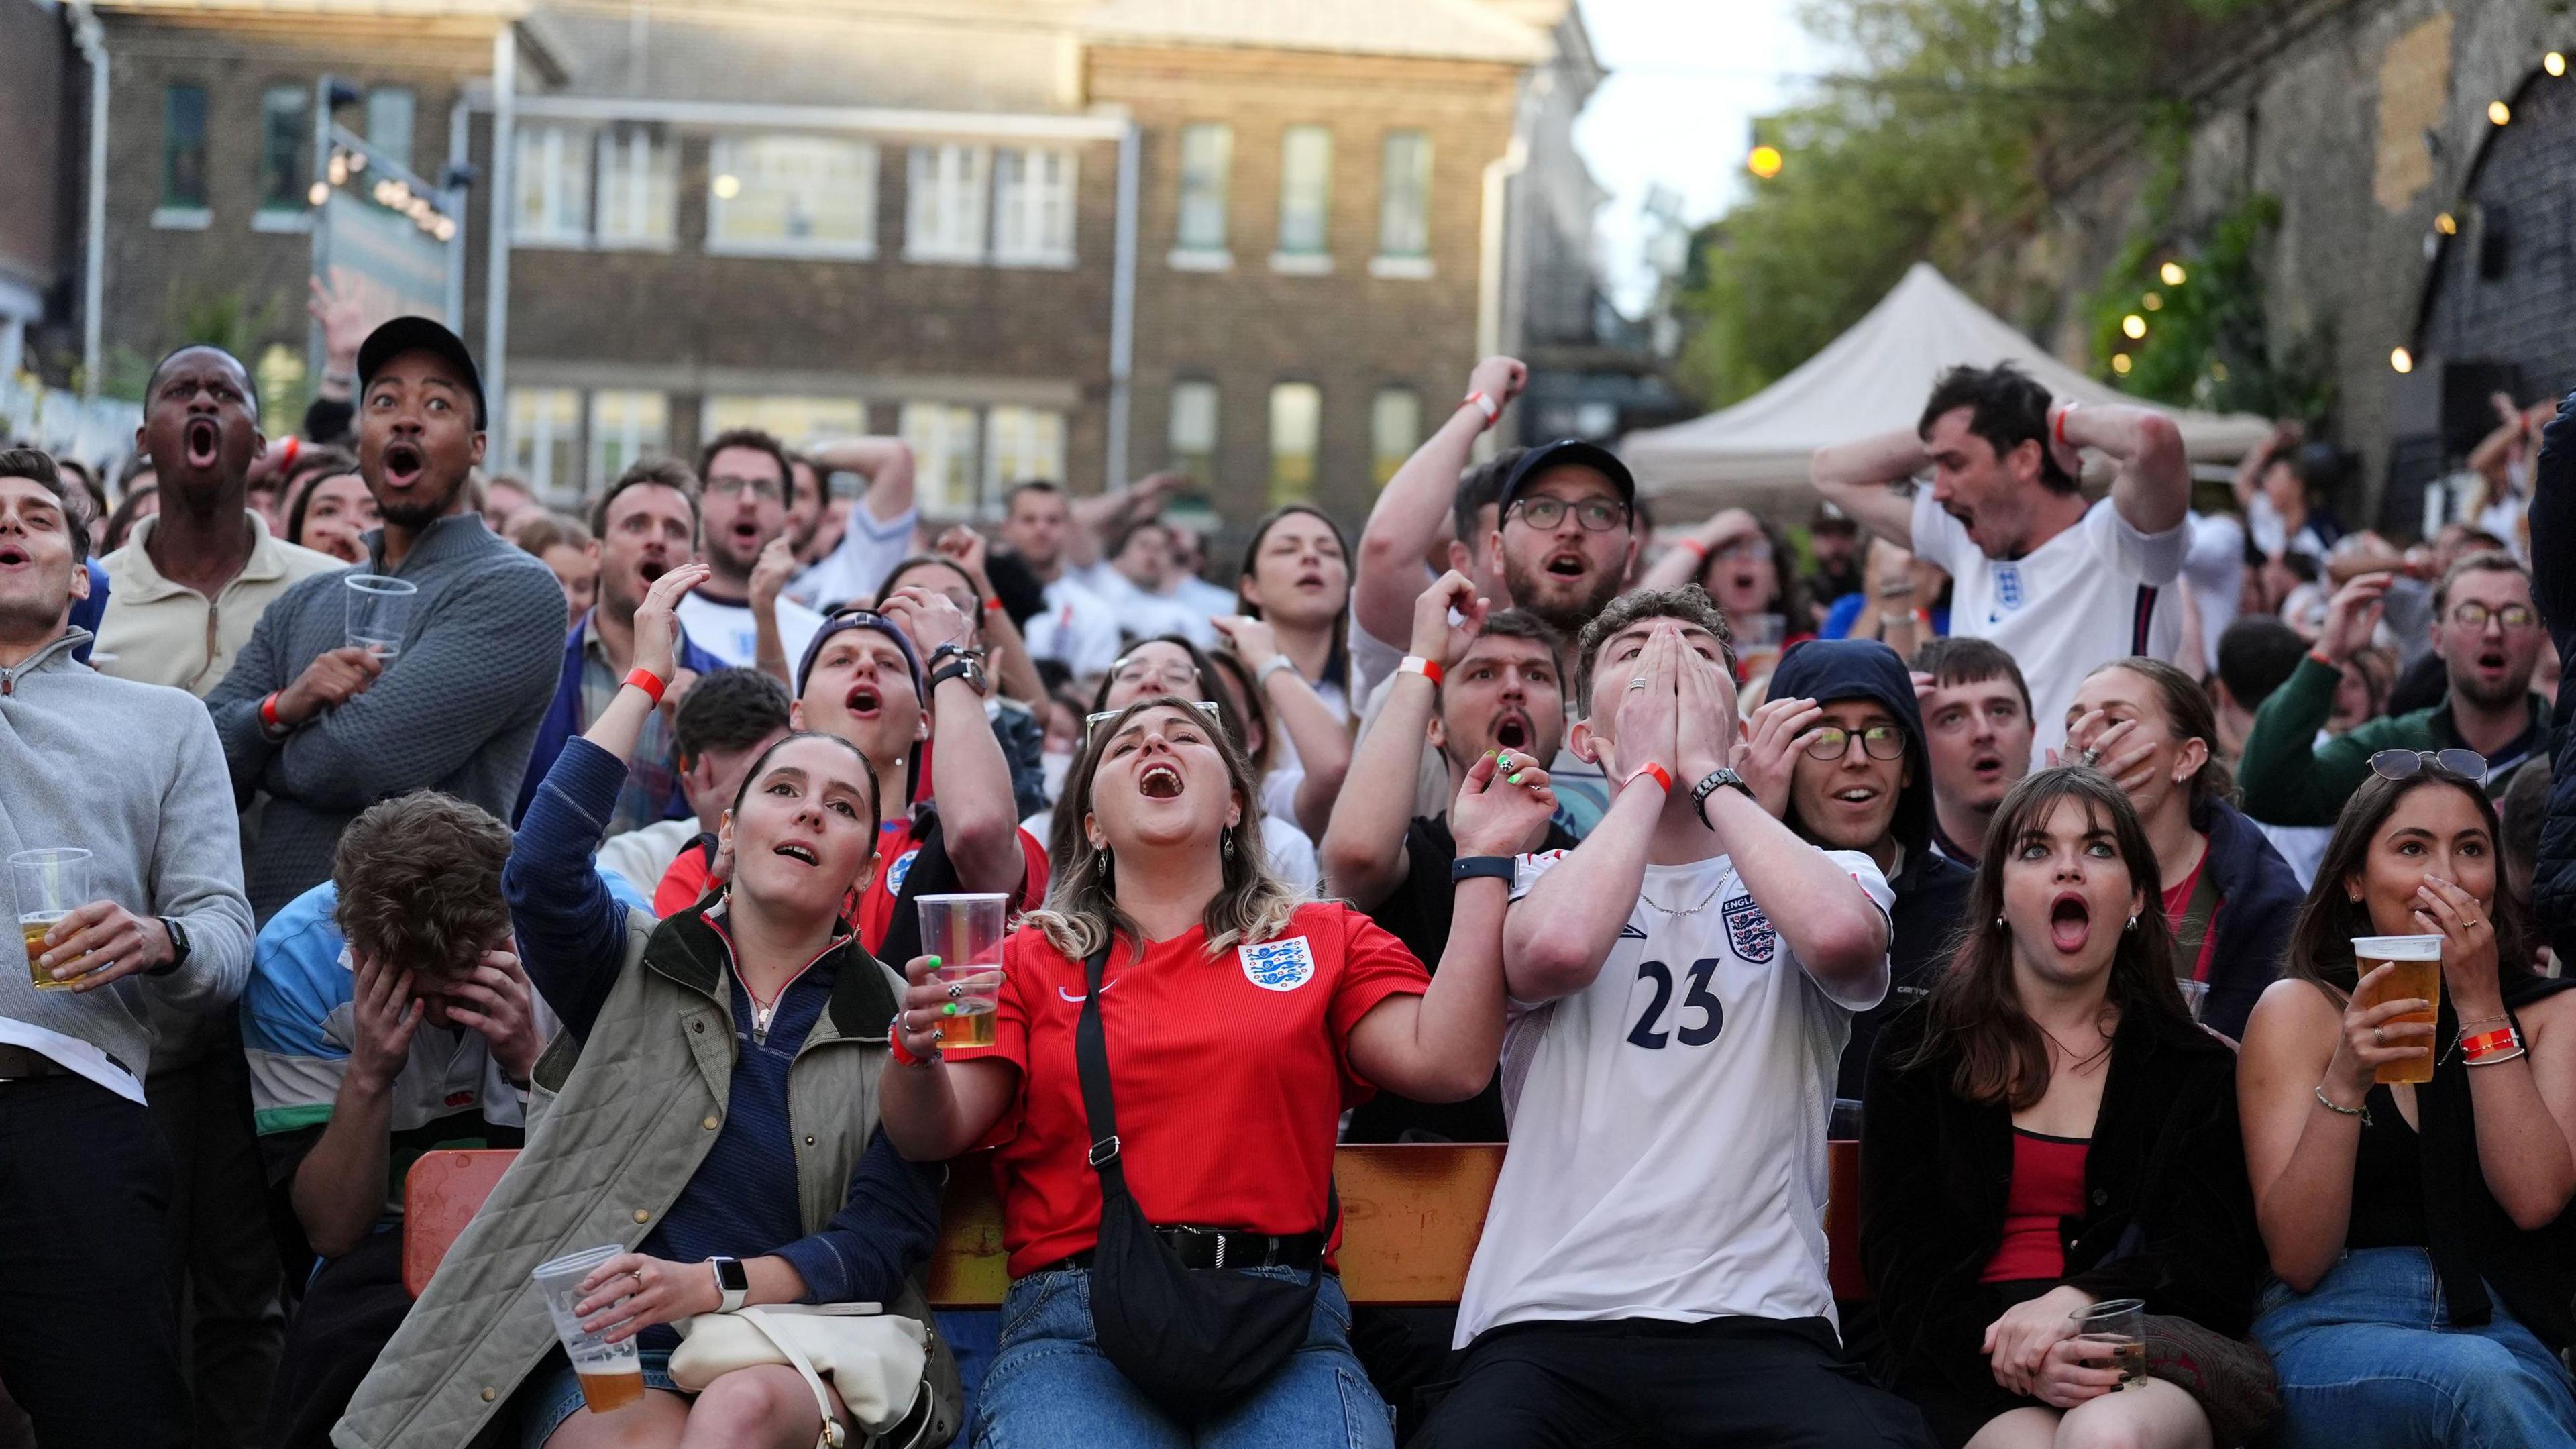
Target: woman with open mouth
{"x": 2047, "y": 1132}
{"x": 1236, "y": 1022}
{"x": 1750, "y": 573}
{"x": 1294, "y": 637}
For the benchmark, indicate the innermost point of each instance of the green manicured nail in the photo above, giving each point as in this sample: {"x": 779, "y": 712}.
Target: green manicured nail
{"x": 1513, "y": 778}
{"x": 934, "y": 963}
{"x": 948, "y": 1008}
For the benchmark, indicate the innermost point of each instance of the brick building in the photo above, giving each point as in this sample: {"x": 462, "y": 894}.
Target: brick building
{"x": 1086, "y": 239}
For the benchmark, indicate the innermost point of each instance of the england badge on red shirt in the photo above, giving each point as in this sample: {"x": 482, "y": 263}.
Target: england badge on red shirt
{"x": 1281, "y": 965}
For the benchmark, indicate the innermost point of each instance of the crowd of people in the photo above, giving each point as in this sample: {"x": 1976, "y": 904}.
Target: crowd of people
{"x": 2037, "y": 836}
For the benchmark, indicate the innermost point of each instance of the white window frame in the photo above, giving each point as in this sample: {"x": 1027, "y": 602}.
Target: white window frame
{"x": 1195, "y": 426}
{"x": 536, "y": 415}
{"x": 1037, "y": 191}
{"x": 1020, "y": 444}
{"x": 796, "y": 421}
{"x": 1204, "y": 184}
{"x": 1301, "y": 259}
{"x": 637, "y": 422}
{"x": 1401, "y": 256}
{"x": 558, "y": 156}
{"x": 1386, "y": 407}
{"x": 729, "y": 157}
{"x": 1293, "y": 396}
{"x": 377, "y": 109}
{"x": 638, "y": 167}
{"x": 944, "y": 439}
{"x": 947, "y": 202}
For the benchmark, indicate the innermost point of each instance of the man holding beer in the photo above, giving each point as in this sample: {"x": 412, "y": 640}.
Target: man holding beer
{"x": 126, "y": 879}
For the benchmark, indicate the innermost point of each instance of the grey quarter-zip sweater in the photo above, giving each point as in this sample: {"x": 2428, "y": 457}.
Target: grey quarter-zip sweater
{"x": 132, "y": 774}
{"x": 456, "y": 710}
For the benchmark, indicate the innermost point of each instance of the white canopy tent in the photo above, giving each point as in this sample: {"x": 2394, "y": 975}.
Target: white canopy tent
{"x": 1871, "y": 379}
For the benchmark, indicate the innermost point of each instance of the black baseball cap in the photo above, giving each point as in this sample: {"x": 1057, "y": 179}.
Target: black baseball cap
{"x": 419, "y": 334}
{"x": 1568, "y": 453}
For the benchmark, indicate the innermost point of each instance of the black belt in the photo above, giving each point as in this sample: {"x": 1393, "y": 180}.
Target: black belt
{"x": 1223, "y": 1248}
{"x": 19, "y": 1063}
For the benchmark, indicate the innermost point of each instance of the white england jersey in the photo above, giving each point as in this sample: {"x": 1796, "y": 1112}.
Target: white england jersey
{"x": 1668, "y": 1121}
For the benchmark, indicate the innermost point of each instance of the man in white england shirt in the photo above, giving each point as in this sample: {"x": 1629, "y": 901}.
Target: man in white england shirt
{"x": 1652, "y": 1269}
{"x": 2065, "y": 586}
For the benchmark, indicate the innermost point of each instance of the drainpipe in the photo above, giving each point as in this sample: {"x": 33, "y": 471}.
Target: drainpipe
{"x": 1489, "y": 260}
{"x": 496, "y": 279}
{"x": 460, "y": 155}
{"x": 1122, "y": 311}
{"x": 92, "y": 40}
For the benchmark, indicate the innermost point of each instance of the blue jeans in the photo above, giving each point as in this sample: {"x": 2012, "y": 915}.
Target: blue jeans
{"x": 2371, "y": 1360}
{"x": 1051, "y": 1386}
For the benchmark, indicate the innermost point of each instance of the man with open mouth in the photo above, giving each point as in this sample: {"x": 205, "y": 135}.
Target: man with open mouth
{"x": 742, "y": 505}
{"x": 1976, "y": 715}
{"x": 326, "y": 728}
{"x": 2489, "y": 634}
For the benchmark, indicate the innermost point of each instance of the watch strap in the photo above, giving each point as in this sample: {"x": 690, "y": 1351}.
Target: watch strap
{"x": 964, "y": 669}
{"x": 1709, "y": 784}
{"x": 733, "y": 1283}
{"x": 1468, "y": 867}
{"x": 179, "y": 948}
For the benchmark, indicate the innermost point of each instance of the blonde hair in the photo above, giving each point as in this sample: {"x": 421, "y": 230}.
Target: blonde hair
{"x": 1081, "y": 913}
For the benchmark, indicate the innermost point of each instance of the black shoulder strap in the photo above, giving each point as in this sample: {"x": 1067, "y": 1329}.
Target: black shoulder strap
{"x": 1091, "y": 1063}
{"x": 930, "y": 874}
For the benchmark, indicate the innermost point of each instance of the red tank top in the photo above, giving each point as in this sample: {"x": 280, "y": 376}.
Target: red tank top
{"x": 2047, "y": 1185}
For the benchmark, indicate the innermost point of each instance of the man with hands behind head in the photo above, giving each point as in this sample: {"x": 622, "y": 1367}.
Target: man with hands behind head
{"x": 1681, "y": 983}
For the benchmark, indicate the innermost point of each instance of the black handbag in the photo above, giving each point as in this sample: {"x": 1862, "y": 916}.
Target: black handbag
{"x": 1197, "y": 1341}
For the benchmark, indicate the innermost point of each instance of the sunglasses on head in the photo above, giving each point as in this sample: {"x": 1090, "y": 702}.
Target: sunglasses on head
{"x": 2466, "y": 766}
{"x": 1092, "y": 722}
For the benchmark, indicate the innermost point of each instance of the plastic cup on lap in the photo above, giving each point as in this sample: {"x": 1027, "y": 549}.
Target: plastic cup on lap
{"x": 611, "y": 1374}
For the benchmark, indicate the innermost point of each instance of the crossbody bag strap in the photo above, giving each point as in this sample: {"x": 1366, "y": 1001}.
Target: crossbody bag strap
{"x": 832, "y": 1436}
{"x": 1091, "y": 1063}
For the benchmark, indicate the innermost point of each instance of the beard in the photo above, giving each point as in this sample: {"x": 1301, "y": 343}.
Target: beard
{"x": 1563, "y": 604}
{"x": 415, "y": 514}
{"x": 2503, "y": 695}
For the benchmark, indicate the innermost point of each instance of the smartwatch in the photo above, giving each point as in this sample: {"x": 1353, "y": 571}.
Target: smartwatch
{"x": 178, "y": 948}
{"x": 1468, "y": 867}
{"x": 1709, "y": 784}
{"x": 732, "y": 1282}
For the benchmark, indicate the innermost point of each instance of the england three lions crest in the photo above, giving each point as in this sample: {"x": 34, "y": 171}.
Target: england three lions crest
{"x": 1749, "y": 931}
{"x": 1279, "y": 965}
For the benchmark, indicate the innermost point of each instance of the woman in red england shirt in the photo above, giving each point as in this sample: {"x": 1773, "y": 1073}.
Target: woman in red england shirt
{"x": 1240, "y": 1021}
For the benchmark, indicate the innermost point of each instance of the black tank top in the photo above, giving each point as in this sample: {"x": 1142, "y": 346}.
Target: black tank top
{"x": 2387, "y": 1180}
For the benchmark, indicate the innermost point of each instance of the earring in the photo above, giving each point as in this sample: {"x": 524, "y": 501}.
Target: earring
{"x": 1999, "y": 923}
{"x": 1228, "y": 846}
{"x": 1105, "y": 863}
{"x": 2133, "y": 923}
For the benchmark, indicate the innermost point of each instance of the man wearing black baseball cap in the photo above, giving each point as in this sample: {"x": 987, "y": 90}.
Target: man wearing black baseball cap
{"x": 1566, "y": 531}
{"x": 328, "y": 728}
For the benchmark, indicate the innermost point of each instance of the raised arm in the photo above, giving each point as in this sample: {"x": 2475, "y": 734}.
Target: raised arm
{"x": 1860, "y": 477}
{"x": 2152, "y": 487}
{"x": 1323, "y": 741}
{"x": 1416, "y": 502}
{"x": 1098, "y": 518}
{"x": 978, "y": 821}
{"x": 2249, "y": 469}
{"x": 1362, "y": 851}
{"x": 2280, "y": 767}
{"x": 1682, "y": 562}
{"x": 886, "y": 463}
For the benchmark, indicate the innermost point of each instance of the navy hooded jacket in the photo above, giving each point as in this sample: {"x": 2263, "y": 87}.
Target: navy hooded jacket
{"x": 2258, "y": 900}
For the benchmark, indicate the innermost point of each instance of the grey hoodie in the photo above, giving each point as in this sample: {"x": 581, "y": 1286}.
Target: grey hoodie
{"x": 133, "y": 774}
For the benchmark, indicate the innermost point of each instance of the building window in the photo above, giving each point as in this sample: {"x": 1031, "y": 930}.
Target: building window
{"x": 389, "y": 116}
{"x": 1207, "y": 166}
{"x": 626, "y": 426}
{"x": 285, "y": 133}
{"x": 942, "y": 439}
{"x": 796, "y": 195}
{"x": 1020, "y": 444}
{"x": 1033, "y": 206}
{"x": 1395, "y": 430}
{"x": 551, "y": 178}
{"x": 638, "y": 188}
{"x": 796, "y": 421}
{"x": 183, "y": 148}
{"x": 1404, "y": 196}
{"x": 1296, "y": 428}
{"x": 944, "y": 204}
{"x": 1193, "y": 431}
{"x": 1305, "y": 193}
{"x": 545, "y": 441}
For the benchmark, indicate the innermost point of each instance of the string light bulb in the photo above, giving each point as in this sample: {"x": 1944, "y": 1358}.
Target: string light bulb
{"x": 2133, "y": 326}
{"x": 2401, "y": 360}
{"x": 2554, "y": 63}
{"x": 1765, "y": 161}
{"x": 2499, "y": 112}
{"x": 2172, "y": 273}
{"x": 2120, "y": 363}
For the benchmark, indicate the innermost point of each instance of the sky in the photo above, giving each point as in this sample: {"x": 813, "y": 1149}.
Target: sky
{"x": 1686, "y": 79}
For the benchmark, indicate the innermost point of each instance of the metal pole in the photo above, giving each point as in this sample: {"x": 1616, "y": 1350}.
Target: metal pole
{"x": 1122, "y": 310}
{"x": 93, "y": 43}
{"x": 496, "y": 280}
{"x": 457, "y": 197}
{"x": 316, "y": 360}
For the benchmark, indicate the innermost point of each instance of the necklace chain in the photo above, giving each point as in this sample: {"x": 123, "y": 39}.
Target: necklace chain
{"x": 1693, "y": 911}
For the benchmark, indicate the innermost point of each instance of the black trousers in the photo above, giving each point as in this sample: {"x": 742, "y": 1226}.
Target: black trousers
{"x": 224, "y": 1270}
{"x": 1639, "y": 1383}
{"x": 88, "y": 1343}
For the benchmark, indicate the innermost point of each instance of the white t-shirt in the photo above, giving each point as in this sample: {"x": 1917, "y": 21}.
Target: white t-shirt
{"x": 1141, "y": 615}
{"x": 857, "y": 566}
{"x": 1287, "y": 771}
{"x": 2099, "y": 591}
{"x": 1077, "y": 629}
{"x": 2214, "y": 568}
{"x": 725, "y": 630}
{"x": 1668, "y": 1121}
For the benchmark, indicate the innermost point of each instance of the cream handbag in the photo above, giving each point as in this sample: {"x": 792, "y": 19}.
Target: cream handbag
{"x": 874, "y": 1358}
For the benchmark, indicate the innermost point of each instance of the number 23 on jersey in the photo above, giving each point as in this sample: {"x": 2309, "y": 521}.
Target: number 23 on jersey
{"x": 1698, "y": 1019}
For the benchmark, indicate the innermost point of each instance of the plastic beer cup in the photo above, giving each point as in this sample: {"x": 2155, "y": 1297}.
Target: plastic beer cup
{"x": 2114, "y": 1335}
{"x": 2418, "y": 960}
{"x": 2195, "y": 997}
{"x": 379, "y": 607}
{"x": 50, "y": 885}
{"x": 611, "y": 1374}
{"x": 965, "y": 933}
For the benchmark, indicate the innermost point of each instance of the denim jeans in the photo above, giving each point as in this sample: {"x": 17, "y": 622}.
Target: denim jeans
{"x": 2371, "y": 1360}
{"x": 1050, "y": 1386}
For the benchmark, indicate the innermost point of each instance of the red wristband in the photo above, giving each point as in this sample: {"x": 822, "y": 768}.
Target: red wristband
{"x": 992, "y": 606}
{"x": 2503, "y": 1038}
{"x": 2059, "y": 427}
{"x": 1416, "y": 664}
{"x": 1483, "y": 404}
{"x": 294, "y": 449}
{"x": 902, "y": 1055}
{"x": 646, "y": 680}
{"x": 2319, "y": 655}
{"x": 1662, "y": 776}
{"x": 268, "y": 712}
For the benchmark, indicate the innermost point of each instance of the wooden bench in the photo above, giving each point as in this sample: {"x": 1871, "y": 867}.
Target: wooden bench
{"x": 1411, "y": 1218}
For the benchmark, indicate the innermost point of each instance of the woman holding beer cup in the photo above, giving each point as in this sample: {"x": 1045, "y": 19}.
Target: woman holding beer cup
{"x": 2048, "y": 1134}
{"x": 1237, "y": 1021}
{"x": 2412, "y": 1150}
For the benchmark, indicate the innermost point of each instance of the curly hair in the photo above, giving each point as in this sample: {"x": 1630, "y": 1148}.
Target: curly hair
{"x": 1689, "y": 603}
{"x": 419, "y": 878}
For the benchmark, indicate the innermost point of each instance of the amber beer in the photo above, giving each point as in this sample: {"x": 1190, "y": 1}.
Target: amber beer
{"x": 965, "y": 932}
{"x": 2418, "y": 974}
{"x": 2115, "y": 1332}
{"x": 610, "y": 1389}
{"x": 33, "y": 929}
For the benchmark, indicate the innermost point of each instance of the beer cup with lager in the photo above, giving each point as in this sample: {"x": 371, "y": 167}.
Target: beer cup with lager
{"x": 2418, "y": 974}
{"x": 50, "y": 885}
{"x": 611, "y": 1374}
{"x": 965, "y": 933}
{"x": 2114, "y": 1335}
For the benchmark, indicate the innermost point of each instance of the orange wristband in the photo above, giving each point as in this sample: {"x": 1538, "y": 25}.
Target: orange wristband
{"x": 1662, "y": 776}
{"x": 2501, "y": 1039}
{"x": 1697, "y": 548}
{"x": 646, "y": 680}
{"x": 268, "y": 713}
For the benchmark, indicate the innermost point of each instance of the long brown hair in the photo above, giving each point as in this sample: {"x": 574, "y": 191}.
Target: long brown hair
{"x": 2320, "y": 949}
{"x": 1082, "y": 914}
{"x": 2188, "y": 716}
{"x": 1976, "y": 1010}
{"x": 1337, "y": 663}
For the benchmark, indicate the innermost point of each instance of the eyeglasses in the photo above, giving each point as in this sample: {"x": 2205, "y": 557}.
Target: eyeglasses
{"x": 767, "y": 490}
{"x": 1757, "y": 550}
{"x": 2466, "y": 766}
{"x": 2475, "y": 616}
{"x": 1182, "y": 676}
{"x": 1879, "y": 742}
{"x": 1597, "y": 515}
{"x": 1092, "y": 722}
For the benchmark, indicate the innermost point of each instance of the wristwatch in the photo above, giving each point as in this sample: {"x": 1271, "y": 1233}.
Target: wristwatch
{"x": 962, "y": 663}
{"x": 1709, "y": 784}
{"x": 178, "y": 948}
{"x": 732, "y": 1282}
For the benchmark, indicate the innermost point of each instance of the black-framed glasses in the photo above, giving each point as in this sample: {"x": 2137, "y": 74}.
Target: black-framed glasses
{"x": 1092, "y": 722}
{"x": 1597, "y": 515}
{"x": 1879, "y": 742}
{"x": 2466, "y": 766}
{"x": 2475, "y": 616}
